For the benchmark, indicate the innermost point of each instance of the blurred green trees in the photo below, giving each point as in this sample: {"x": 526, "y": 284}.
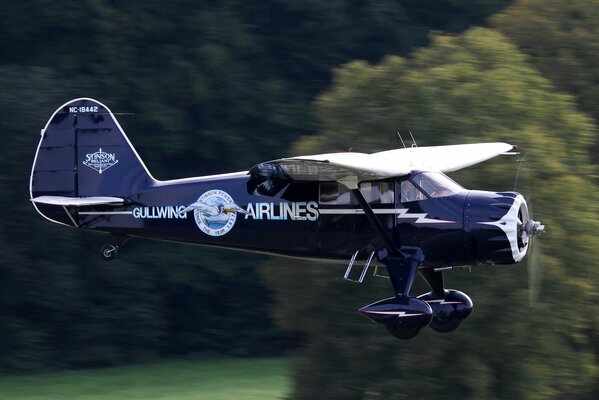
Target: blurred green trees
{"x": 213, "y": 87}
{"x": 561, "y": 37}
{"x": 216, "y": 87}
{"x": 473, "y": 87}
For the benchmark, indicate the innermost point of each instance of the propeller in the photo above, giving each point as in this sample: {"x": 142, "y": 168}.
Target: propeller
{"x": 529, "y": 228}
{"x": 535, "y": 264}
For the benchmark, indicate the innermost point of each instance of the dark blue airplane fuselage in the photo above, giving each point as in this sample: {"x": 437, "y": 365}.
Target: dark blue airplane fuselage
{"x": 296, "y": 225}
{"x": 86, "y": 174}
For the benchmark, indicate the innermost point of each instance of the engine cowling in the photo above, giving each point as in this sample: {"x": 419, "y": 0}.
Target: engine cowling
{"x": 498, "y": 227}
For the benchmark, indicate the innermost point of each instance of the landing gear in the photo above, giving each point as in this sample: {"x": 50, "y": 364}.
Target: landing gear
{"x": 110, "y": 251}
{"x": 450, "y": 307}
{"x": 402, "y": 315}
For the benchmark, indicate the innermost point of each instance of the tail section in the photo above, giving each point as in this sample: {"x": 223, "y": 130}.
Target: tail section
{"x": 83, "y": 152}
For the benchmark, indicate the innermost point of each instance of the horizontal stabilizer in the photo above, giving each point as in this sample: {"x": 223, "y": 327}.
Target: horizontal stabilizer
{"x": 79, "y": 201}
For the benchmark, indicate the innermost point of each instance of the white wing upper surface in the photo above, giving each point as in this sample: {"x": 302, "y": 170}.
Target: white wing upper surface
{"x": 391, "y": 163}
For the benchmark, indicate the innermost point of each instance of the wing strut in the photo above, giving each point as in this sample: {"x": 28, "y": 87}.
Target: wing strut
{"x": 352, "y": 184}
{"x": 401, "y": 265}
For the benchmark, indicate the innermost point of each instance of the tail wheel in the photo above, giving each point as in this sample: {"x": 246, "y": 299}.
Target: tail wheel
{"x": 109, "y": 252}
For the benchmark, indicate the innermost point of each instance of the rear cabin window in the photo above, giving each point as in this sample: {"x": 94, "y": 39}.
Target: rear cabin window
{"x": 335, "y": 194}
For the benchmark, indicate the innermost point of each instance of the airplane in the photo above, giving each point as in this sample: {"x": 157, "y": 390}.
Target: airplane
{"x": 394, "y": 210}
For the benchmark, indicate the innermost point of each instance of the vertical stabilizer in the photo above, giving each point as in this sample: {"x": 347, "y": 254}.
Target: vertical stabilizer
{"x": 83, "y": 152}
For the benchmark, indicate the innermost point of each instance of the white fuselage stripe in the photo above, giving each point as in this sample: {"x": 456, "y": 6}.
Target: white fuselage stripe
{"x": 105, "y": 212}
{"x": 352, "y": 211}
{"x": 401, "y": 213}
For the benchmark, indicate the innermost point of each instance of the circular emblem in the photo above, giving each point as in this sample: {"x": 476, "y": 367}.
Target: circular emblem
{"x": 215, "y": 212}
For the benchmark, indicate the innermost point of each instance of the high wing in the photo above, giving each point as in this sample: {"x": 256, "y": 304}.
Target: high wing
{"x": 385, "y": 164}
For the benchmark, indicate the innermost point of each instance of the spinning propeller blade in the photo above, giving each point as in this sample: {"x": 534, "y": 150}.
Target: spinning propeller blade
{"x": 530, "y": 229}
{"x": 536, "y": 270}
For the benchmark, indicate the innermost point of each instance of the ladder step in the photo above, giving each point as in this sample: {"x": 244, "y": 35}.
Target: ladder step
{"x": 350, "y": 265}
{"x": 364, "y": 269}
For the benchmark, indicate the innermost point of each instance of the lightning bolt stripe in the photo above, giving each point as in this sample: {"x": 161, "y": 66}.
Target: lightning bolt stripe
{"x": 402, "y": 213}
{"x": 444, "y": 302}
{"x": 397, "y": 313}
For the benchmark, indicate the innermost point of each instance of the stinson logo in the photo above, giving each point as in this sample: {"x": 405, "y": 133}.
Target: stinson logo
{"x": 215, "y": 212}
{"x": 100, "y": 161}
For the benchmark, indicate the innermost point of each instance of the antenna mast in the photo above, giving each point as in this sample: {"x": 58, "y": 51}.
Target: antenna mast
{"x": 413, "y": 140}
{"x": 400, "y": 138}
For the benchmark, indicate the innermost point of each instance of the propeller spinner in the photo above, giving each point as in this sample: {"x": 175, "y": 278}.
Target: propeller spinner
{"x": 527, "y": 227}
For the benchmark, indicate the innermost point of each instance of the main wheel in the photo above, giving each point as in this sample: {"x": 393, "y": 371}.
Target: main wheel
{"x": 402, "y": 333}
{"x": 109, "y": 251}
{"x": 445, "y": 325}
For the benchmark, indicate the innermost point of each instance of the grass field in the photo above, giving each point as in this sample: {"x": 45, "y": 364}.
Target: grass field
{"x": 217, "y": 379}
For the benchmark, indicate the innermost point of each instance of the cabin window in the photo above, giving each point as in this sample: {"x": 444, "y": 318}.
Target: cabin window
{"x": 378, "y": 192}
{"x": 335, "y": 194}
{"x": 436, "y": 184}
{"x": 428, "y": 185}
{"x": 409, "y": 192}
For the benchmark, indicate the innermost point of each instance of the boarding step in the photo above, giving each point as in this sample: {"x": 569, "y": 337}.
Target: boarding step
{"x": 350, "y": 266}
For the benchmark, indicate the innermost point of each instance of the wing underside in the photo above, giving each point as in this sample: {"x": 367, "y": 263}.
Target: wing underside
{"x": 381, "y": 165}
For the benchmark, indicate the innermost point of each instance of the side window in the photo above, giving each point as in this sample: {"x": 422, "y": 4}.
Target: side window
{"x": 436, "y": 184}
{"x": 375, "y": 193}
{"x": 378, "y": 192}
{"x": 334, "y": 194}
{"x": 409, "y": 192}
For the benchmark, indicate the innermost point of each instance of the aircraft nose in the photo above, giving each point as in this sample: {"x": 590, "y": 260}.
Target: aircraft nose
{"x": 499, "y": 226}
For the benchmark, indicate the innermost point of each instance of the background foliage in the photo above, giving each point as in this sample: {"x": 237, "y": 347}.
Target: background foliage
{"x": 473, "y": 87}
{"x": 216, "y": 87}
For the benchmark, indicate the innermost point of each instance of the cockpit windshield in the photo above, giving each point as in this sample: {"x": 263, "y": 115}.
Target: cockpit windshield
{"x": 428, "y": 185}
